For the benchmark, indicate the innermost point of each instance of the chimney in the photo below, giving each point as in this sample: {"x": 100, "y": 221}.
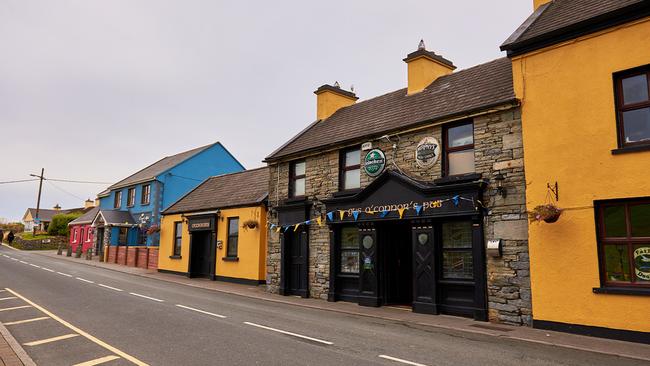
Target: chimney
{"x": 538, "y": 3}
{"x": 97, "y": 202}
{"x": 424, "y": 67}
{"x": 89, "y": 203}
{"x": 330, "y": 98}
{"x": 57, "y": 207}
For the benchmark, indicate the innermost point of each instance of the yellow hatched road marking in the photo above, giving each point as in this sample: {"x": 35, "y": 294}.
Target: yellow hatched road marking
{"x": 81, "y": 332}
{"x": 50, "y": 340}
{"x": 97, "y": 361}
{"x": 26, "y": 320}
{"x": 16, "y": 307}
{"x": 8, "y": 298}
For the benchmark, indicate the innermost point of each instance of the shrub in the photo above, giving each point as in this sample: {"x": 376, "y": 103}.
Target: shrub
{"x": 59, "y": 224}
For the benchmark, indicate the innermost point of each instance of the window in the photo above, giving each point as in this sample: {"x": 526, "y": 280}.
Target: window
{"x": 74, "y": 236}
{"x": 297, "y": 179}
{"x": 349, "y": 250}
{"x": 122, "y": 237}
{"x": 624, "y": 243}
{"x": 457, "y": 259}
{"x": 633, "y": 106}
{"x": 89, "y": 234}
{"x": 233, "y": 237}
{"x": 146, "y": 194}
{"x": 459, "y": 148}
{"x": 350, "y": 169}
{"x": 130, "y": 198}
{"x": 118, "y": 199}
{"x": 178, "y": 238}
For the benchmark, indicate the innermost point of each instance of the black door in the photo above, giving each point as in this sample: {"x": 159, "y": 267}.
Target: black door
{"x": 398, "y": 263}
{"x": 99, "y": 242}
{"x": 298, "y": 275}
{"x": 424, "y": 256}
{"x": 201, "y": 256}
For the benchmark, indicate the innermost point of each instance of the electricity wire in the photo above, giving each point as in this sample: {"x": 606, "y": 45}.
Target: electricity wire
{"x": 18, "y": 181}
{"x": 64, "y": 191}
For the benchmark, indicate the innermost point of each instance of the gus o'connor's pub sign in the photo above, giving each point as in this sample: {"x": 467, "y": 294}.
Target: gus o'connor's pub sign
{"x": 375, "y": 162}
{"x": 427, "y": 152}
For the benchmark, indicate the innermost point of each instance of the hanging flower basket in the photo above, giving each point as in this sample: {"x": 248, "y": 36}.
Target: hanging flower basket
{"x": 548, "y": 213}
{"x": 250, "y": 224}
{"x": 153, "y": 229}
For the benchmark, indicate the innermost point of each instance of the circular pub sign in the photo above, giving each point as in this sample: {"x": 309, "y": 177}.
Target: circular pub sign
{"x": 375, "y": 162}
{"x": 642, "y": 263}
{"x": 427, "y": 152}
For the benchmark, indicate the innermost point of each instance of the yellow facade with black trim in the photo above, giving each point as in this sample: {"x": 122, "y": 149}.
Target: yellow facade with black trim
{"x": 250, "y": 263}
{"x": 569, "y": 132}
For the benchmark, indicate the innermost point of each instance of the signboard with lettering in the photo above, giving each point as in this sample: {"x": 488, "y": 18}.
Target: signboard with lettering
{"x": 205, "y": 223}
{"x": 427, "y": 152}
{"x": 375, "y": 162}
{"x": 642, "y": 263}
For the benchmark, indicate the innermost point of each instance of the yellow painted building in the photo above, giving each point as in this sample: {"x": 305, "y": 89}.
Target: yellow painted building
{"x": 584, "y": 82}
{"x": 218, "y": 230}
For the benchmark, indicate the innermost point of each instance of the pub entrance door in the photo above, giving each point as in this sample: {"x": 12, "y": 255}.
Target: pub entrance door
{"x": 202, "y": 254}
{"x": 297, "y": 275}
{"x": 396, "y": 278}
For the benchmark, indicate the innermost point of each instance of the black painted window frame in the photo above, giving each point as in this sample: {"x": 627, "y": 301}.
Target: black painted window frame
{"x": 233, "y": 238}
{"x": 178, "y": 238}
{"x": 621, "y": 107}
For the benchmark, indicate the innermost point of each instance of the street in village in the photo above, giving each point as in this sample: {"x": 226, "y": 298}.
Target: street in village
{"x": 67, "y": 313}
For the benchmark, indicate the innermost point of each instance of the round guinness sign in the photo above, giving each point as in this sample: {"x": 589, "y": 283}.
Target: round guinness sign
{"x": 375, "y": 162}
{"x": 427, "y": 152}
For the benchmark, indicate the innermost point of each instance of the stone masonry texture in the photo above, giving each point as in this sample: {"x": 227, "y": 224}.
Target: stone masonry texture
{"x": 498, "y": 148}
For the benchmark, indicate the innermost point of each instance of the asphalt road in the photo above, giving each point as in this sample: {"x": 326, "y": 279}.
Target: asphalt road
{"x": 113, "y": 316}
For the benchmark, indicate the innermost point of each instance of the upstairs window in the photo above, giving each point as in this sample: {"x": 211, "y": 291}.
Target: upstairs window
{"x": 118, "y": 199}
{"x": 130, "y": 198}
{"x": 233, "y": 237}
{"x": 459, "y": 148}
{"x": 624, "y": 243}
{"x": 146, "y": 194}
{"x": 297, "y": 179}
{"x": 633, "y": 107}
{"x": 350, "y": 169}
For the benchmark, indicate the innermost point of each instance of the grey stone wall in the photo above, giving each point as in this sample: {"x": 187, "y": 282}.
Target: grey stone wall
{"x": 498, "y": 148}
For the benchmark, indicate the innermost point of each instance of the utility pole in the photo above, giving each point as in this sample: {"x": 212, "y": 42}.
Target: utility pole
{"x": 38, "y": 200}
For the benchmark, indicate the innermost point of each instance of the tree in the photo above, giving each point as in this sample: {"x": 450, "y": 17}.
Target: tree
{"x": 59, "y": 224}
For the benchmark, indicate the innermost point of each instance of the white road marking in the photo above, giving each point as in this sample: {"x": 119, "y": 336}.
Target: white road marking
{"x": 109, "y": 287}
{"x": 201, "y": 311}
{"x": 84, "y": 280}
{"x": 27, "y": 320}
{"x": 8, "y": 298}
{"x": 64, "y": 274}
{"x": 16, "y": 307}
{"x": 402, "y": 360}
{"x": 50, "y": 340}
{"x": 14, "y": 259}
{"x": 23, "y": 262}
{"x": 289, "y": 333}
{"x": 2, "y": 290}
{"x": 146, "y": 297}
{"x": 81, "y": 332}
{"x": 34, "y": 265}
{"x": 47, "y": 269}
{"x": 97, "y": 361}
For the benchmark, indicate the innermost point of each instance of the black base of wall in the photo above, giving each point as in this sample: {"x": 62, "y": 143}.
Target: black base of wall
{"x": 600, "y": 332}
{"x": 242, "y": 281}
{"x": 173, "y": 272}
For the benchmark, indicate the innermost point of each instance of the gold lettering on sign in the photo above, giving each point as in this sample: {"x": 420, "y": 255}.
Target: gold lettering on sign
{"x": 394, "y": 207}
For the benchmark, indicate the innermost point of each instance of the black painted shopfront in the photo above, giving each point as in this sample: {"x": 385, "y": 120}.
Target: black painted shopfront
{"x": 431, "y": 259}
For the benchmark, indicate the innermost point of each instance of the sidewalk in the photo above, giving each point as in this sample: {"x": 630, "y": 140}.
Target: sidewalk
{"x": 566, "y": 340}
{"x": 11, "y": 353}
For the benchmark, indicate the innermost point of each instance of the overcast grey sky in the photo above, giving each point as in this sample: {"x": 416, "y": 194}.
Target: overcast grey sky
{"x": 96, "y": 90}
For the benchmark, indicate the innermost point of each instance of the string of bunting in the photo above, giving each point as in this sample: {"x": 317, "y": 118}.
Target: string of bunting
{"x": 330, "y": 216}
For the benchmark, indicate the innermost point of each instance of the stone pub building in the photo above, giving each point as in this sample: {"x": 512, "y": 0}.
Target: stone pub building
{"x": 413, "y": 198}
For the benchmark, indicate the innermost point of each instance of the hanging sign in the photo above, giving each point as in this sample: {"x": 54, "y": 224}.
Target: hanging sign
{"x": 642, "y": 263}
{"x": 427, "y": 152}
{"x": 375, "y": 162}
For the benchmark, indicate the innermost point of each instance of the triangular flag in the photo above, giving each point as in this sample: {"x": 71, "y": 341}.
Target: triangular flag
{"x": 272, "y": 226}
{"x": 355, "y": 214}
{"x": 370, "y": 212}
{"x": 401, "y": 212}
{"x": 342, "y": 214}
{"x": 418, "y": 209}
{"x": 307, "y": 222}
{"x": 330, "y": 216}
{"x": 319, "y": 221}
{"x": 456, "y": 200}
{"x": 295, "y": 227}
{"x": 286, "y": 228}
{"x": 278, "y": 229}
{"x": 384, "y": 213}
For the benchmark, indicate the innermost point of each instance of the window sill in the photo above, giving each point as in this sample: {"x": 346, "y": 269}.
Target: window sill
{"x": 175, "y": 257}
{"x": 145, "y": 204}
{"x": 230, "y": 259}
{"x": 622, "y": 291}
{"x": 470, "y": 177}
{"x": 631, "y": 149}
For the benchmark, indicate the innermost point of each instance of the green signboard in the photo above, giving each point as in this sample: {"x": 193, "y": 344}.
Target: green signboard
{"x": 375, "y": 162}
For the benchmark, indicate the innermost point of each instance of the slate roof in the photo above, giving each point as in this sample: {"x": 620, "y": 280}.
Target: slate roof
{"x": 86, "y": 218}
{"x": 452, "y": 95}
{"x": 116, "y": 217}
{"x": 249, "y": 187}
{"x": 153, "y": 170}
{"x": 46, "y": 214}
{"x": 565, "y": 19}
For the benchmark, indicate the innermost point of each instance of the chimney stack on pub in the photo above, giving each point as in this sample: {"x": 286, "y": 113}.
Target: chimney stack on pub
{"x": 330, "y": 98}
{"x": 538, "y": 3}
{"x": 424, "y": 67}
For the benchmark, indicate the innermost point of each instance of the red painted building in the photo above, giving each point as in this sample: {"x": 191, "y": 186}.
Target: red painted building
{"x": 81, "y": 231}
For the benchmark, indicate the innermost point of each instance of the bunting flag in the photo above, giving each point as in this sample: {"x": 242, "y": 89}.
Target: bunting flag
{"x": 319, "y": 221}
{"x": 286, "y": 228}
{"x": 330, "y": 216}
{"x": 456, "y": 200}
{"x": 278, "y": 229}
{"x": 295, "y": 227}
{"x": 383, "y": 214}
{"x": 401, "y": 212}
{"x": 307, "y": 222}
{"x": 272, "y": 226}
{"x": 355, "y": 214}
{"x": 418, "y": 209}
{"x": 342, "y": 214}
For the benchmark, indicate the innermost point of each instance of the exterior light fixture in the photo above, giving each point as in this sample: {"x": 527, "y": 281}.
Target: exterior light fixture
{"x": 499, "y": 178}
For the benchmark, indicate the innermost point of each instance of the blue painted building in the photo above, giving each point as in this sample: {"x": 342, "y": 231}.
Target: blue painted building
{"x": 129, "y": 210}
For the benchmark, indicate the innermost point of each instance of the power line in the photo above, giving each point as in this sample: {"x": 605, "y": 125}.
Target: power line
{"x": 18, "y": 181}
{"x": 77, "y": 181}
{"x": 63, "y": 190}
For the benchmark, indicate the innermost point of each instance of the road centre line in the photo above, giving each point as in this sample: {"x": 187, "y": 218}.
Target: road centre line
{"x": 8, "y": 298}
{"x": 84, "y": 280}
{"x": 64, "y": 274}
{"x": 201, "y": 311}
{"x": 13, "y": 259}
{"x": 146, "y": 297}
{"x": 289, "y": 333}
{"x": 26, "y": 320}
{"x": 50, "y": 340}
{"x": 81, "y": 332}
{"x": 401, "y": 360}
{"x": 47, "y": 269}
{"x": 23, "y": 262}
{"x": 34, "y": 265}
{"x": 97, "y": 361}
{"x": 109, "y": 287}
{"x": 16, "y": 307}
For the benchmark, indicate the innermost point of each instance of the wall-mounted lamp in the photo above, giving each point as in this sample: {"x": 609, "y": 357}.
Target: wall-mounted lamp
{"x": 499, "y": 178}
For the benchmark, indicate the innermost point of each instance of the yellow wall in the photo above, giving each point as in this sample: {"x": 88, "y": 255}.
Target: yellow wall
{"x": 422, "y": 71}
{"x": 569, "y": 130}
{"x": 251, "y": 247}
{"x": 328, "y": 102}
